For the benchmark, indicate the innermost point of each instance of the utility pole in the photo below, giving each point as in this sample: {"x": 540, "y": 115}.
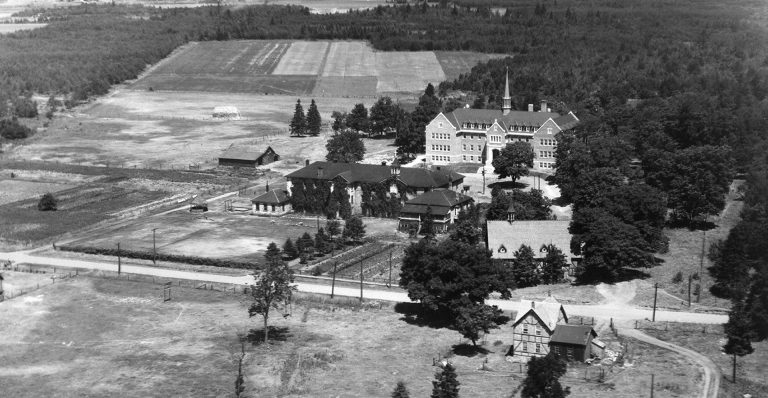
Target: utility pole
{"x": 653, "y": 376}
{"x": 361, "y": 280}
{"x": 690, "y": 278}
{"x": 655, "y": 292}
{"x": 119, "y": 265}
{"x": 390, "y": 268}
{"x": 154, "y": 247}
{"x": 318, "y": 223}
{"x": 333, "y": 281}
{"x": 733, "y": 380}
{"x": 483, "y": 172}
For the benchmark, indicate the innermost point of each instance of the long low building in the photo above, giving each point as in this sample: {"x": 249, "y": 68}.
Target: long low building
{"x": 442, "y": 205}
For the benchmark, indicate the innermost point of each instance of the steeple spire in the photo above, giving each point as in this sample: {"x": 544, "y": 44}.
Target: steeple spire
{"x": 507, "y": 100}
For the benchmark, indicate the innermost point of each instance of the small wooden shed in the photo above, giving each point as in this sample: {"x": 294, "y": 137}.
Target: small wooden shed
{"x": 248, "y": 157}
{"x": 572, "y": 342}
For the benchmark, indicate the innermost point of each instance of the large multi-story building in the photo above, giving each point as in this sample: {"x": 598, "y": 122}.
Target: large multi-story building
{"x": 477, "y": 135}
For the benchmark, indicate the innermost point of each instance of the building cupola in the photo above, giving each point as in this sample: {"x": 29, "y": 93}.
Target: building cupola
{"x": 394, "y": 169}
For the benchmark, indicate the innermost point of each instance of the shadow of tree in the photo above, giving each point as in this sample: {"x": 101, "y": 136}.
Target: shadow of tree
{"x": 416, "y": 314}
{"x": 276, "y": 333}
{"x": 507, "y": 185}
{"x": 468, "y": 350}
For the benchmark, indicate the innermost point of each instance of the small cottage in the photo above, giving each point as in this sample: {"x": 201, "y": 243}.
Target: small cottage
{"x": 273, "y": 203}
{"x": 572, "y": 342}
{"x": 534, "y": 326}
{"x": 443, "y": 205}
{"x": 248, "y": 157}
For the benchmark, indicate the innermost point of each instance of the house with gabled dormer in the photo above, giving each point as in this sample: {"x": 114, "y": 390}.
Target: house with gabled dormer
{"x": 478, "y": 135}
{"x": 534, "y": 326}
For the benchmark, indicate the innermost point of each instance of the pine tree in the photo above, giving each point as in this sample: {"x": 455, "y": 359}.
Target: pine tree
{"x": 299, "y": 121}
{"x": 739, "y": 332}
{"x": 554, "y": 263}
{"x": 354, "y": 229}
{"x": 757, "y": 304}
{"x": 289, "y": 250}
{"x": 313, "y": 120}
{"x": 47, "y": 202}
{"x": 445, "y": 385}
{"x": 428, "y": 225}
{"x": 400, "y": 391}
{"x": 321, "y": 242}
{"x": 525, "y": 272}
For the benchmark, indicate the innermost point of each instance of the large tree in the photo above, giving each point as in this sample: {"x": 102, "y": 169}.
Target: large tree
{"x": 472, "y": 319}
{"x": 553, "y": 265}
{"x": 409, "y": 141}
{"x": 358, "y": 119}
{"x": 543, "y": 378}
{"x": 313, "y": 120}
{"x": 525, "y": 268}
{"x": 740, "y": 333}
{"x": 514, "y": 160}
{"x": 273, "y": 287}
{"x": 532, "y": 205}
{"x": 446, "y": 385}
{"x": 384, "y": 116}
{"x": 346, "y": 147}
{"x": 400, "y": 391}
{"x": 299, "y": 121}
{"x": 354, "y": 229}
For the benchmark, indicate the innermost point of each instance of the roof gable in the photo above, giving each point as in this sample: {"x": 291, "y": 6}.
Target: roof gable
{"x": 547, "y": 312}
{"x": 275, "y": 196}
{"x": 573, "y": 334}
{"x": 245, "y": 153}
{"x": 442, "y": 117}
{"x": 357, "y": 172}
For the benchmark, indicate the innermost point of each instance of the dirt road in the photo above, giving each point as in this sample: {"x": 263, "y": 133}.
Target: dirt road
{"x": 711, "y": 383}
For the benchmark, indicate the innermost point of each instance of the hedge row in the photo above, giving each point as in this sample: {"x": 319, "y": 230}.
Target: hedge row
{"x": 145, "y": 255}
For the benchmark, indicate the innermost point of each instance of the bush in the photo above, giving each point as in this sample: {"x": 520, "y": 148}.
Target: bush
{"x": 25, "y": 107}
{"x": 147, "y": 255}
{"x": 13, "y": 130}
{"x": 47, "y": 203}
{"x": 678, "y": 277}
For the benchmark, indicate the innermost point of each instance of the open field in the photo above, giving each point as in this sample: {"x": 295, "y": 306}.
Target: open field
{"x": 15, "y": 27}
{"x": 13, "y": 190}
{"x": 116, "y": 337}
{"x": 319, "y": 68}
{"x": 752, "y": 370}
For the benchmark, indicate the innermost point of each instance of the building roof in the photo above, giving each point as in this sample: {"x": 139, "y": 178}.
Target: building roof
{"x": 439, "y": 202}
{"x": 567, "y": 121}
{"x": 547, "y": 311}
{"x": 245, "y": 153}
{"x": 572, "y": 334}
{"x": 512, "y": 235}
{"x": 357, "y": 172}
{"x": 488, "y": 116}
{"x": 275, "y": 196}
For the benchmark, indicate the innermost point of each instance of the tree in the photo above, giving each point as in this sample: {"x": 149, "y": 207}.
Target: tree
{"x": 514, "y": 160}
{"x": 409, "y": 140}
{"x": 543, "y": 378}
{"x": 757, "y": 304}
{"x": 47, "y": 202}
{"x": 354, "y": 229}
{"x": 400, "y": 391}
{"x": 471, "y": 319}
{"x": 525, "y": 272}
{"x": 441, "y": 276}
{"x": 700, "y": 181}
{"x": 313, "y": 120}
{"x": 333, "y": 227}
{"x": 13, "y": 130}
{"x": 273, "y": 286}
{"x": 299, "y": 121}
{"x": 465, "y": 231}
{"x": 428, "y": 224}
{"x": 305, "y": 245}
{"x": 346, "y": 147}
{"x": 358, "y": 119}
{"x": 445, "y": 384}
{"x": 289, "y": 250}
{"x": 384, "y": 116}
{"x": 322, "y": 245}
{"x": 739, "y": 332}
{"x": 553, "y": 264}
{"x": 339, "y": 121}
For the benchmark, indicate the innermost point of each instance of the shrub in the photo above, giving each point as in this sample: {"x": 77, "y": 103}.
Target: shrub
{"x": 678, "y": 277}
{"x": 13, "y": 130}
{"x": 47, "y": 203}
{"x": 25, "y": 107}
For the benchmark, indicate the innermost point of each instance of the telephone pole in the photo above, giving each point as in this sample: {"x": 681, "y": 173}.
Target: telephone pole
{"x": 119, "y": 264}
{"x": 361, "y": 280}
{"x": 390, "y": 268}
{"x": 655, "y": 292}
{"x": 154, "y": 247}
{"x": 333, "y": 281}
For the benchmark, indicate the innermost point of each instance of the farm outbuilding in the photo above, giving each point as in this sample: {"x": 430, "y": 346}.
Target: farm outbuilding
{"x": 248, "y": 157}
{"x": 273, "y": 203}
{"x": 572, "y": 342}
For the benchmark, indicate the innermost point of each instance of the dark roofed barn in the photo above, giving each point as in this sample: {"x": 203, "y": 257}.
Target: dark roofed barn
{"x": 572, "y": 342}
{"x": 248, "y": 157}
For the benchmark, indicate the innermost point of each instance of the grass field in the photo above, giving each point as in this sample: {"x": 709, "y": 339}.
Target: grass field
{"x": 752, "y": 370}
{"x": 13, "y": 190}
{"x": 15, "y": 27}
{"x": 455, "y": 63}
{"x": 98, "y": 337}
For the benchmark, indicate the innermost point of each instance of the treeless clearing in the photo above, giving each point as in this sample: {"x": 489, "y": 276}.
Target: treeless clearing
{"x": 455, "y": 63}
{"x": 15, "y": 27}
{"x": 13, "y": 190}
{"x": 303, "y": 58}
{"x": 350, "y": 58}
{"x": 407, "y": 71}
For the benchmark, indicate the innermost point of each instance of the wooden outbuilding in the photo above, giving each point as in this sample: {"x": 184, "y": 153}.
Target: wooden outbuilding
{"x": 572, "y": 342}
{"x": 248, "y": 157}
{"x": 273, "y": 203}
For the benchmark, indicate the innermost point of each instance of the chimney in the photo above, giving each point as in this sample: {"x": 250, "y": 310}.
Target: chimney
{"x": 319, "y": 172}
{"x": 533, "y": 304}
{"x": 306, "y": 162}
{"x": 267, "y": 186}
{"x": 530, "y": 107}
{"x": 543, "y": 106}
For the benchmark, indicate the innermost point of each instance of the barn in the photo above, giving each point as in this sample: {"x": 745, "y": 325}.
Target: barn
{"x": 248, "y": 157}
{"x": 572, "y": 342}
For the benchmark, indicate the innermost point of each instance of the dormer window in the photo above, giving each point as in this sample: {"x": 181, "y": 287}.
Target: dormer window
{"x": 549, "y": 130}
{"x": 502, "y": 249}
{"x": 440, "y": 124}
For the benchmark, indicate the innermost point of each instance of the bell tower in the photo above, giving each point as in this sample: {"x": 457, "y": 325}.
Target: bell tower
{"x": 507, "y": 100}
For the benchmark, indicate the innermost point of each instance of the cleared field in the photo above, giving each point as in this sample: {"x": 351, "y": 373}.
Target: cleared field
{"x": 303, "y": 58}
{"x": 455, "y": 63}
{"x": 15, "y": 27}
{"x": 407, "y": 71}
{"x": 347, "y": 86}
{"x": 117, "y": 338}
{"x": 261, "y": 85}
{"x": 350, "y": 58}
{"x": 13, "y": 190}
{"x": 248, "y": 57}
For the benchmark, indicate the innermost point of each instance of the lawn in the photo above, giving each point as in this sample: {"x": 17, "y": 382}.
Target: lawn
{"x": 752, "y": 370}
{"x": 99, "y": 337}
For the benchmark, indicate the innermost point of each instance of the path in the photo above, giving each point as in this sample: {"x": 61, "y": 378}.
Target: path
{"x": 621, "y": 314}
{"x": 711, "y": 383}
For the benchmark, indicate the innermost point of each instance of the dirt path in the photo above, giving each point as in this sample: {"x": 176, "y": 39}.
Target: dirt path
{"x": 711, "y": 383}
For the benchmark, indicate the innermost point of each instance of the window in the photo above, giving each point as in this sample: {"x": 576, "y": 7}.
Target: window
{"x": 557, "y": 349}
{"x": 464, "y": 147}
{"x": 465, "y": 158}
{"x": 538, "y": 330}
{"x": 441, "y": 125}
{"x": 570, "y": 353}
{"x": 472, "y": 158}
{"x": 471, "y": 147}
{"x": 525, "y": 329}
{"x": 525, "y": 346}
{"x": 541, "y": 164}
{"x": 502, "y": 249}
{"x": 538, "y": 348}
{"x": 549, "y": 130}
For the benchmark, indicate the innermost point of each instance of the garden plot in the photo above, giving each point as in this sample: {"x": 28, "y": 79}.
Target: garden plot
{"x": 303, "y": 58}
{"x": 407, "y": 71}
{"x": 350, "y": 58}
